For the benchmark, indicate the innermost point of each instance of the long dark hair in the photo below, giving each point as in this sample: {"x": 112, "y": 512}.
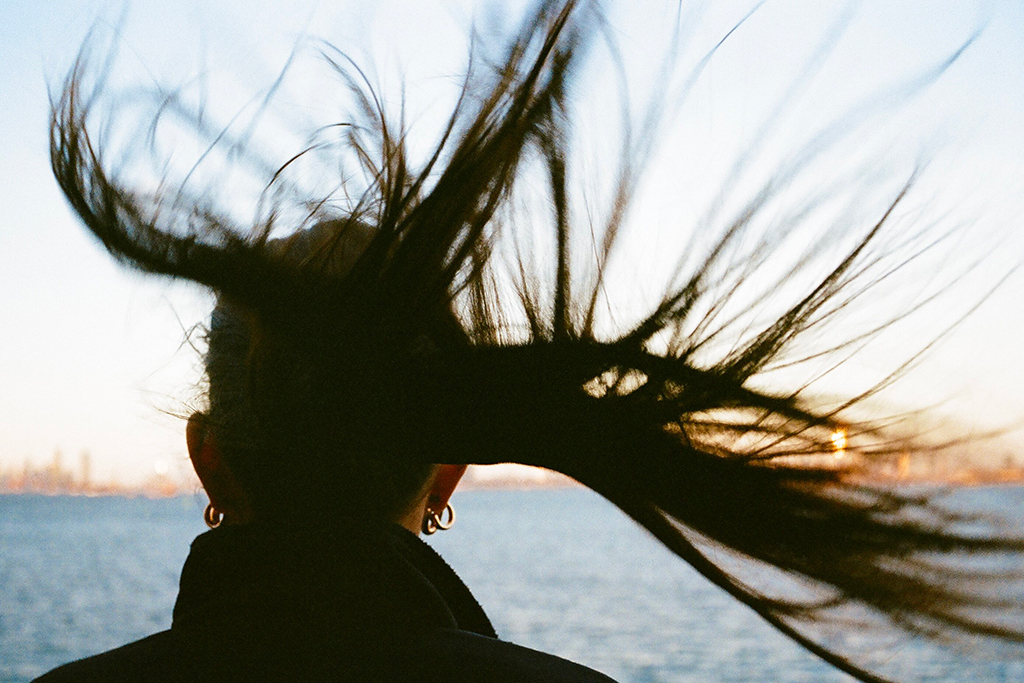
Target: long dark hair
{"x": 447, "y": 341}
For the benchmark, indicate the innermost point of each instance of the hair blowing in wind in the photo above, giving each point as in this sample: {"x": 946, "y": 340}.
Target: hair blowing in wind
{"x": 455, "y": 334}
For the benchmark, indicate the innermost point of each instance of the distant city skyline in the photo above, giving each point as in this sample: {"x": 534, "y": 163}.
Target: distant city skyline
{"x": 57, "y": 479}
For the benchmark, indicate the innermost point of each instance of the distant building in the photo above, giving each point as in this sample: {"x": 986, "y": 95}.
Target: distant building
{"x": 85, "y": 470}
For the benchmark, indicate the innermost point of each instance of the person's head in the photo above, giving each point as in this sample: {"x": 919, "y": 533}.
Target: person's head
{"x": 245, "y": 448}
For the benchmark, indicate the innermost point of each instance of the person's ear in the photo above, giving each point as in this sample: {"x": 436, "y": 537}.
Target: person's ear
{"x": 446, "y": 479}
{"x": 226, "y": 495}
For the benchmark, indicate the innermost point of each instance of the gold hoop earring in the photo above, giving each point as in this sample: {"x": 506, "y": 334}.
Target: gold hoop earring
{"x": 212, "y": 516}
{"x": 432, "y": 521}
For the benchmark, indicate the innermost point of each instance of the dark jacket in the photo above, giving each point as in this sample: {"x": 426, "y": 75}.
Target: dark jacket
{"x": 350, "y": 603}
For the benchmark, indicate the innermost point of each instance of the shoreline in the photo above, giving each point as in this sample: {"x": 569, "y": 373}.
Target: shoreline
{"x": 568, "y": 484}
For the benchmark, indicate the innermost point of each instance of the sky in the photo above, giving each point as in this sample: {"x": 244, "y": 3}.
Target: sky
{"x": 95, "y": 358}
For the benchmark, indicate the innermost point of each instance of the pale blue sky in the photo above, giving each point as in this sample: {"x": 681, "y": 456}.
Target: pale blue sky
{"x": 90, "y": 354}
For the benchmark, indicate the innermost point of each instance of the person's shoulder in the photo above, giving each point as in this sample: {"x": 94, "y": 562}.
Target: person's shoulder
{"x": 463, "y": 656}
{"x": 132, "y": 662}
{"x": 433, "y": 656}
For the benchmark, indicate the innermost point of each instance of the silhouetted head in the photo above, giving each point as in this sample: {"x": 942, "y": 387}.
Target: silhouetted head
{"x": 280, "y": 438}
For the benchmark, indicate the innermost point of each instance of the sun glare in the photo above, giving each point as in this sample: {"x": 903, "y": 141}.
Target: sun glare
{"x": 839, "y": 443}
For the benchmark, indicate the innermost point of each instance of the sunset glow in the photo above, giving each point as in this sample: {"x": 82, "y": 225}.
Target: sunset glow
{"x": 839, "y": 443}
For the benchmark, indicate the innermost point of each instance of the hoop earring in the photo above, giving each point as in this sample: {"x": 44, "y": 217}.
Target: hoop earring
{"x": 432, "y": 521}
{"x": 212, "y": 516}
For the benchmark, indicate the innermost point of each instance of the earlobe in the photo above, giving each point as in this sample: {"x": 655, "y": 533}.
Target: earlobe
{"x": 445, "y": 482}
{"x": 226, "y": 495}
{"x": 202, "y": 453}
{"x": 435, "y": 509}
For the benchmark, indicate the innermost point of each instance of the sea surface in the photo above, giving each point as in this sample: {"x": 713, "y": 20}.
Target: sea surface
{"x": 557, "y": 570}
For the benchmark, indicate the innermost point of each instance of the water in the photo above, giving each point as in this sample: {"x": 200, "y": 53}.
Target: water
{"x": 81, "y": 575}
{"x": 561, "y": 571}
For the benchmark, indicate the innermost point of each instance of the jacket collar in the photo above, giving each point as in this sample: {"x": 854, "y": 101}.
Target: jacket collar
{"x": 346, "y": 578}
